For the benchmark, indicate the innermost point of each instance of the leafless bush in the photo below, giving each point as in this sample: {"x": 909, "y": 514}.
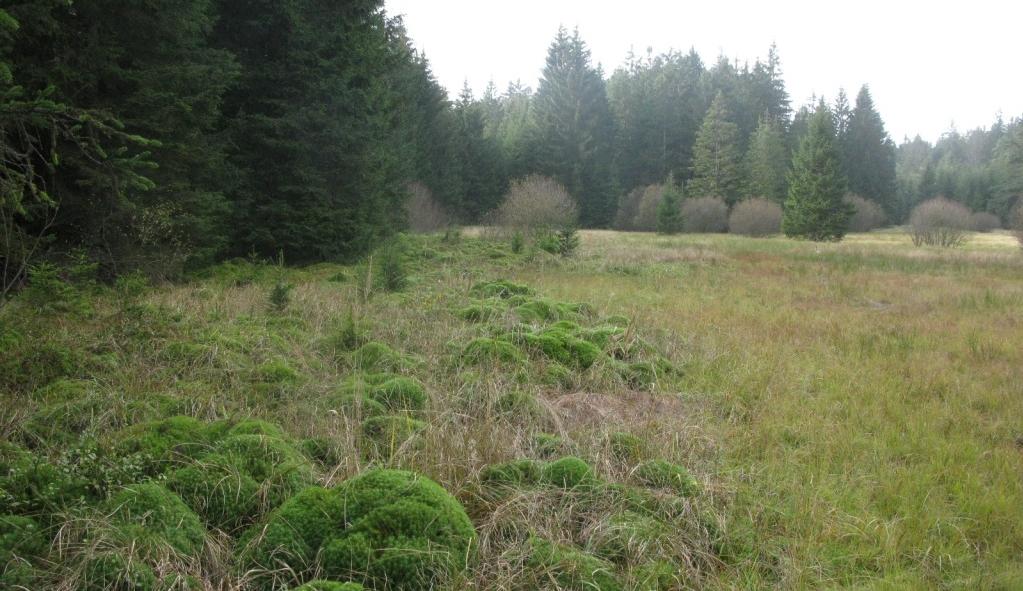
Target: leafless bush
{"x": 755, "y": 217}
{"x": 983, "y": 221}
{"x": 704, "y": 214}
{"x": 424, "y": 213}
{"x": 536, "y": 203}
{"x": 939, "y": 222}
{"x": 867, "y": 214}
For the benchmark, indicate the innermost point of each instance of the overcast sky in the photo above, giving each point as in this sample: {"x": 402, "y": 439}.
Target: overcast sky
{"x": 928, "y": 64}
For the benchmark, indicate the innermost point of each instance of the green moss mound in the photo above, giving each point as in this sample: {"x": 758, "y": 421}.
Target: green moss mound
{"x": 376, "y": 356}
{"x": 480, "y": 312}
{"x": 485, "y": 350}
{"x": 329, "y": 586}
{"x": 400, "y": 394}
{"x": 322, "y": 450}
{"x": 151, "y": 509}
{"x": 224, "y": 496}
{"x": 279, "y": 468}
{"x": 659, "y": 575}
{"x": 390, "y": 528}
{"x": 166, "y": 441}
{"x": 389, "y": 432}
{"x": 664, "y": 474}
{"x": 568, "y": 472}
{"x": 556, "y": 374}
{"x": 291, "y": 536}
{"x": 499, "y": 289}
{"x": 561, "y": 346}
{"x": 405, "y": 531}
{"x": 628, "y": 536}
{"x": 570, "y": 568}
{"x": 513, "y": 473}
{"x": 547, "y": 445}
{"x": 625, "y": 447}
{"x": 114, "y": 572}
{"x": 256, "y": 427}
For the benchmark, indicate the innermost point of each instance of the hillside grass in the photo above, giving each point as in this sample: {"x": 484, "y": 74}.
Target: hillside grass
{"x": 850, "y": 411}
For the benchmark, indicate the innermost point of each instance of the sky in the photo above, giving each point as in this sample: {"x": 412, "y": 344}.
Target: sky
{"x": 930, "y": 65}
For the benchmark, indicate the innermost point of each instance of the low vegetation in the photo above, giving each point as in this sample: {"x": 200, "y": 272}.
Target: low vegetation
{"x": 510, "y": 427}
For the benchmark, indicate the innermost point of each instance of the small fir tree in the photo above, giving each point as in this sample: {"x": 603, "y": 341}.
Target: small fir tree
{"x": 815, "y": 209}
{"x": 717, "y": 170}
{"x": 669, "y": 216}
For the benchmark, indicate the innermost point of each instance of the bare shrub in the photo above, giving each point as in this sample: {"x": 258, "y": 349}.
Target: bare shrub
{"x": 984, "y": 221}
{"x": 939, "y": 222}
{"x": 536, "y": 204}
{"x": 646, "y": 216}
{"x": 867, "y": 214}
{"x": 424, "y": 213}
{"x": 704, "y": 214}
{"x": 755, "y": 217}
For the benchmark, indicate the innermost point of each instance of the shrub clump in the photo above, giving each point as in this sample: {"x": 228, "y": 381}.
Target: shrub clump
{"x": 939, "y": 222}
{"x": 664, "y": 474}
{"x": 704, "y": 215}
{"x": 425, "y": 214}
{"x": 867, "y": 215}
{"x": 535, "y": 204}
{"x": 755, "y": 217}
{"x": 983, "y": 221}
{"x": 388, "y": 528}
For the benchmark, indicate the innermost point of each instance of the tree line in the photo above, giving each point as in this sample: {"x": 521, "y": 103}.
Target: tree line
{"x": 165, "y": 136}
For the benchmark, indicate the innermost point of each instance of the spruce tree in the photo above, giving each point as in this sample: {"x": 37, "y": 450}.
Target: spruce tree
{"x": 815, "y": 208}
{"x": 483, "y": 180}
{"x": 767, "y": 162}
{"x": 717, "y": 170}
{"x": 669, "y": 214}
{"x": 316, "y": 126}
{"x": 869, "y": 155}
{"x": 575, "y": 127}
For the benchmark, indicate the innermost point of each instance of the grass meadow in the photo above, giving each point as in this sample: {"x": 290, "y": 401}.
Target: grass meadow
{"x": 852, "y": 413}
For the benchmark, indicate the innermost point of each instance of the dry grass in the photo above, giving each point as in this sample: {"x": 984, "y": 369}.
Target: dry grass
{"x": 850, "y": 410}
{"x": 865, "y": 393}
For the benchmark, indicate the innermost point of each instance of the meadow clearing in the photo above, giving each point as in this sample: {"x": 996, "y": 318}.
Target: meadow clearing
{"x": 849, "y": 412}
